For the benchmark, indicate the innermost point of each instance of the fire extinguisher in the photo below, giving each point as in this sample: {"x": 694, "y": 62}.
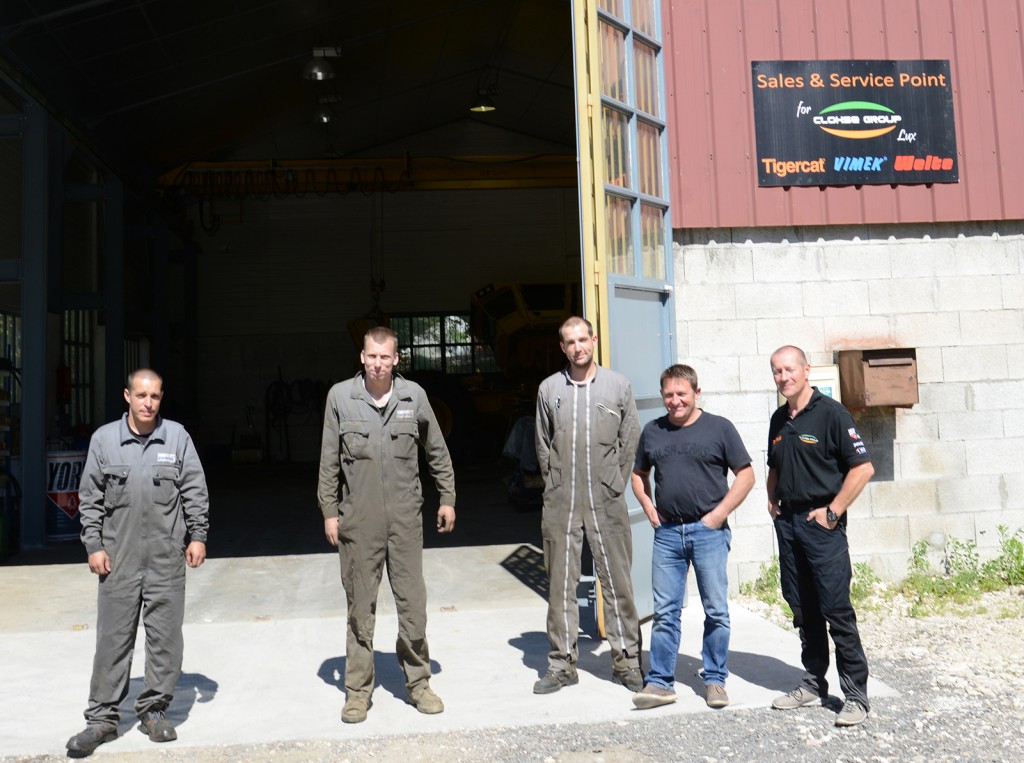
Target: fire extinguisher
{"x": 63, "y": 384}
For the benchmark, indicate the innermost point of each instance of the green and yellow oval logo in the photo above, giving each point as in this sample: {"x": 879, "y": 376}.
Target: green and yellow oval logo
{"x": 848, "y": 120}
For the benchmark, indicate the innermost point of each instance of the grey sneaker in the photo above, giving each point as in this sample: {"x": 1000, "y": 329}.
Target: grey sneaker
{"x": 554, "y": 680}
{"x": 653, "y": 695}
{"x": 801, "y": 696}
{"x": 632, "y": 679}
{"x": 853, "y": 713}
{"x": 427, "y": 702}
{"x": 715, "y": 695}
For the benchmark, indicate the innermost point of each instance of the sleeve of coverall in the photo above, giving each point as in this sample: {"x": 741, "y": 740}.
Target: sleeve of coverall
{"x": 543, "y": 435}
{"x": 629, "y": 434}
{"x": 438, "y": 459}
{"x": 90, "y": 500}
{"x": 328, "y": 484}
{"x": 195, "y": 497}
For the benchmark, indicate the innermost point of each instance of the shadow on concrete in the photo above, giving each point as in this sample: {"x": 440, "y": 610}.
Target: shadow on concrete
{"x": 388, "y": 673}
{"x": 190, "y": 689}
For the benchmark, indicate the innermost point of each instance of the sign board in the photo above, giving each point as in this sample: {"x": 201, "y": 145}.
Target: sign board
{"x": 854, "y": 122}
{"x": 826, "y": 379}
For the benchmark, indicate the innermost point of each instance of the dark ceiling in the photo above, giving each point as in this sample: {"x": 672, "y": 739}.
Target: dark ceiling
{"x": 155, "y": 84}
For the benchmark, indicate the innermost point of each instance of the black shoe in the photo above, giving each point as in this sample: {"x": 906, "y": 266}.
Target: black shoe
{"x": 554, "y": 680}
{"x": 632, "y": 679}
{"x": 83, "y": 744}
{"x": 157, "y": 728}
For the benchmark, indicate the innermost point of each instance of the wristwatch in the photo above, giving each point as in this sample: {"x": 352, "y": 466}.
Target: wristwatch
{"x": 830, "y": 515}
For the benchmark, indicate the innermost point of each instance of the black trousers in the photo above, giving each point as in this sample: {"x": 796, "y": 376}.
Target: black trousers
{"x": 815, "y": 569}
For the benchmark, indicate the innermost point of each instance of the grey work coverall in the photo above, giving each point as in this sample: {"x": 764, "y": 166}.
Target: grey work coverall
{"x": 369, "y": 479}
{"x": 586, "y": 442}
{"x": 137, "y": 498}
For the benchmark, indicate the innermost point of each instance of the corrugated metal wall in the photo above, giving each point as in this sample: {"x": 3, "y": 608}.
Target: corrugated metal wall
{"x": 709, "y": 48}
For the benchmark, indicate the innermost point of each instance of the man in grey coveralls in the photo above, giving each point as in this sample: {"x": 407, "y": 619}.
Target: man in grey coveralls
{"x": 142, "y": 491}
{"x": 587, "y": 432}
{"x": 369, "y": 493}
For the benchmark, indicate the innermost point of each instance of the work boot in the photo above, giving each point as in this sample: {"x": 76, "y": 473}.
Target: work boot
{"x": 632, "y": 679}
{"x": 427, "y": 702}
{"x": 801, "y": 696}
{"x": 84, "y": 743}
{"x": 156, "y": 727}
{"x": 554, "y": 680}
{"x": 356, "y": 707}
{"x": 653, "y": 695}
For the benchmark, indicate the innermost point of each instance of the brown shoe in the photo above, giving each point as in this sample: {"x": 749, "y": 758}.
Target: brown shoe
{"x": 84, "y": 743}
{"x": 356, "y": 707}
{"x": 157, "y": 728}
{"x": 715, "y": 695}
{"x": 653, "y": 695}
{"x": 427, "y": 702}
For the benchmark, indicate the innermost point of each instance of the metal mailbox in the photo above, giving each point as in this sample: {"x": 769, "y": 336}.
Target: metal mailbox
{"x": 871, "y": 378}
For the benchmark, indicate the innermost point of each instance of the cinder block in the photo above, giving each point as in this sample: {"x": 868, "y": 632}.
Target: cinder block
{"x": 769, "y": 300}
{"x": 983, "y": 255}
{"x": 922, "y": 259}
{"x": 718, "y": 264}
{"x": 756, "y": 373}
{"x": 753, "y": 543}
{"x": 878, "y": 535}
{"x": 836, "y": 298}
{"x": 974, "y": 363}
{"x": 969, "y": 293}
{"x": 991, "y": 327}
{"x": 842, "y": 333}
{"x": 994, "y": 456}
{"x": 856, "y": 262}
{"x": 987, "y": 526}
{"x": 959, "y": 526}
{"x": 997, "y": 395}
{"x": 716, "y": 374}
{"x": 1013, "y": 423}
{"x": 944, "y": 397}
{"x": 1013, "y": 292}
{"x": 890, "y": 567}
{"x": 976, "y": 493}
{"x": 806, "y": 333}
{"x": 755, "y": 436}
{"x": 706, "y": 338}
{"x": 788, "y": 264}
{"x": 926, "y": 329}
{"x": 912, "y": 426}
{"x": 739, "y": 407}
{"x": 705, "y": 301}
{"x": 902, "y": 295}
{"x": 900, "y": 498}
{"x": 1015, "y": 361}
{"x": 970, "y": 425}
{"x": 932, "y": 460}
{"x": 929, "y": 365}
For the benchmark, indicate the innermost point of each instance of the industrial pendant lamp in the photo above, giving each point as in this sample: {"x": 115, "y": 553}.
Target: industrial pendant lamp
{"x": 483, "y": 103}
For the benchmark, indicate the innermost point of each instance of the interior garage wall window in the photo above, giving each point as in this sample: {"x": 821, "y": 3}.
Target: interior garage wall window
{"x": 78, "y": 340}
{"x": 636, "y": 197}
{"x": 442, "y": 343}
{"x": 10, "y": 351}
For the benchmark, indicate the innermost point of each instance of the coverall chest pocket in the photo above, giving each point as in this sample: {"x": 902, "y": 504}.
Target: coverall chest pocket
{"x": 166, "y": 481}
{"x": 115, "y": 486}
{"x": 355, "y": 440}
{"x": 403, "y": 439}
{"x": 606, "y": 424}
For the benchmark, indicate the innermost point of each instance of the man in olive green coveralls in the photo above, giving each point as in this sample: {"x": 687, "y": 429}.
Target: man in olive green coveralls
{"x": 370, "y": 496}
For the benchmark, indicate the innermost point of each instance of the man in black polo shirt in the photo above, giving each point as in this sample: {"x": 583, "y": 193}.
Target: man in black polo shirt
{"x": 817, "y": 466}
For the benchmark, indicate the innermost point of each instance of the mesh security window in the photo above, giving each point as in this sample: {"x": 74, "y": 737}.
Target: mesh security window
{"x": 440, "y": 342}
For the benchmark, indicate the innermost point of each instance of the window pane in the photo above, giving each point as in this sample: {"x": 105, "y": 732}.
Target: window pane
{"x": 616, "y": 147}
{"x": 652, "y": 228}
{"x": 613, "y": 7}
{"x": 613, "y": 62}
{"x": 643, "y": 17}
{"x": 649, "y": 149}
{"x": 620, "y": 239}
{"x": 456, "y": 329}
{"x": 645, "y": 60}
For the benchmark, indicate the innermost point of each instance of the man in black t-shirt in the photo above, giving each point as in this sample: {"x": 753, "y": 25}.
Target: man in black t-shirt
{"x": 817, "y": 466}
{"x": 691, "y": 452}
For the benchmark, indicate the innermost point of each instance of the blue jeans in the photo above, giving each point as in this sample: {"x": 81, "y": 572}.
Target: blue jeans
{"x": 676, "y": 547}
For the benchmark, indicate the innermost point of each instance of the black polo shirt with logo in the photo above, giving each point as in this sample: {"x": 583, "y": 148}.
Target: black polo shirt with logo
{"x": 812, "y": 452}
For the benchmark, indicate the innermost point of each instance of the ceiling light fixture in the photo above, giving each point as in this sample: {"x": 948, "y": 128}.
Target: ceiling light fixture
{"x": 483, "y": 103}
{"x": 319, "y": 68}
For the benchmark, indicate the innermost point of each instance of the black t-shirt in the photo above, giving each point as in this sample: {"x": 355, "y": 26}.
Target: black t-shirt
{"x": 813, "y": 452}
{"x": 691, "y": 464}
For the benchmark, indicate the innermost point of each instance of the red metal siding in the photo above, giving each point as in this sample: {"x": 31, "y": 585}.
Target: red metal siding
{"x": 709, "y": 46}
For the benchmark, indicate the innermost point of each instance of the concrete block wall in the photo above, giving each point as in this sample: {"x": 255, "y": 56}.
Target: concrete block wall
{"x": 950, "y": 464}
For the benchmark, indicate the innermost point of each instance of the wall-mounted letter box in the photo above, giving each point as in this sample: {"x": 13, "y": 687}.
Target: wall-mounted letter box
{"x": 878, "y": 377}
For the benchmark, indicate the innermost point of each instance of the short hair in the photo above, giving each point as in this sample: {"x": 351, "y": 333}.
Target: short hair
{"x": 380, "y": 335}
{"x": 680, "y": 371}
{"x": 575, "y": 321}
{"x": 143, "y": 373}
{"x": 800, "y": 354}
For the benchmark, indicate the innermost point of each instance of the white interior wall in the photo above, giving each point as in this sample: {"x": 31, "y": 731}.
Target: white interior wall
{"x": 951, "y": 463}
{"x": 279, "y": 281}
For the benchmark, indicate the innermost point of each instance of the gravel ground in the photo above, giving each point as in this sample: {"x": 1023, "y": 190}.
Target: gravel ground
{"x": 960, "y": 680}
